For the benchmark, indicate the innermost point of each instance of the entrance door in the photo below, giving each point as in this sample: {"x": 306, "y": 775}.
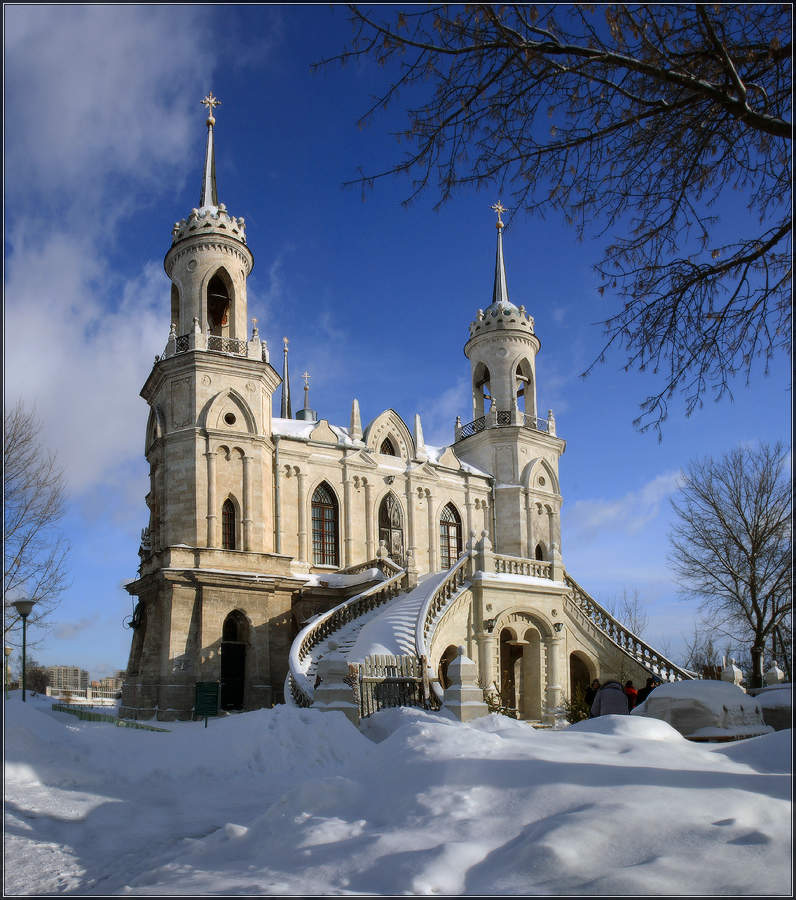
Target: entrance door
{"x": 391, "y": 528}
{"x": 233, "y": 668}
{"x": 233, "y": 661}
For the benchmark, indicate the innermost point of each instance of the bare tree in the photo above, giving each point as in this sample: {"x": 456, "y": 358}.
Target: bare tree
{"x": 731, "y": 544}
{"x": 34, "y": 551}
{"x": 630, "y": 612}
{"x": 665, "y": 126}
{"x": 701, "y": 654}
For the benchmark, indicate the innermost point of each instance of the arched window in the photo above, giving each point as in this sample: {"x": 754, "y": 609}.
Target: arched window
{"x": 391, "y": 528}
{"x": 523, "y": 377}
{"x": 218, "y": 305}
{"x": 481, "y": 390}
{"x": 234, "y": 639}
{"x": 324, "y": 526}
{"x": 450, "y": 536}
{"x": 387, "y": 448}
{"x": 539, "y": 552}
{"x": 228, "y": 541}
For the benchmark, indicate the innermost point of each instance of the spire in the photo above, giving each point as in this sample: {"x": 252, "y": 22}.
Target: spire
{"x": 500, "y": 292}
{"x": 420, "y": 444}
{"x": 285, "y": 412}
{"x": 356, "y": 421}
{"x": 209, "y": 196}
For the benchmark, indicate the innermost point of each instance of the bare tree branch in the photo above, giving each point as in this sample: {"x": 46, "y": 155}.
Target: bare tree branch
{"x": 666, "y": 126}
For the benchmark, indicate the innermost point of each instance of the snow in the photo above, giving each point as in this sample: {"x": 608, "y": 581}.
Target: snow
{"x": 299, "y": 802}
{"x": 705, "y": 709}
{"x": 335, "y": 580}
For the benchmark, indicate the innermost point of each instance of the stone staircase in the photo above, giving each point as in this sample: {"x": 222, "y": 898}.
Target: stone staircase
{"x": 392, "y": 620}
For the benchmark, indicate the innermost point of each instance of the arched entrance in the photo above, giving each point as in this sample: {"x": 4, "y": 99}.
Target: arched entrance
{"x": 391, "y": 528}
{"x": 579, "y": 676}
{"x": 510, "y": 670}
{"x": 234, "y": 638}
{"x": 445, "y": 660}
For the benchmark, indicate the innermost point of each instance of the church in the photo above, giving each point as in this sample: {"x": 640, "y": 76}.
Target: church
{"x": 271, "y": 536}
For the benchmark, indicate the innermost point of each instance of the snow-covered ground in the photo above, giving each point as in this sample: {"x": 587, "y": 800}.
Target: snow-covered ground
{"x": 293, "y": 801}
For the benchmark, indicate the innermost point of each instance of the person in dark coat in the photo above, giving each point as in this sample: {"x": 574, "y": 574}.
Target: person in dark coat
{"x": 611, "y": 700}
{"x": 652, "y": 683}
{"x": 591, "y": 693}
{"x": 632, "y": 694}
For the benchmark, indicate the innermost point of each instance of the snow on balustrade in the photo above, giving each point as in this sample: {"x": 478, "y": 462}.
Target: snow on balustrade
{"x": 515, "y": 565}
{"x": 579, "y": 602}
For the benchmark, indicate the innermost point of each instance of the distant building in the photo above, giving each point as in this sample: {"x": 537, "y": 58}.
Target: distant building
{"x": 111, "y": 682}
{"x": 68, "y": 678}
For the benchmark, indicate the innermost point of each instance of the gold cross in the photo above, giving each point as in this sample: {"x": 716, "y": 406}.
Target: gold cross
{"x": 306, "y": 376}
{"x": 499, "y": 208}
{"x": 211, "y": 103}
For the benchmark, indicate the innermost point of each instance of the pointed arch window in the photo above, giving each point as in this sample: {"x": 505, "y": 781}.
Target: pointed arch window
{"x": 539, "y": 552}
{"x": 482, "y": 392}
{"x": 523, "y": 379}
{"x": 228, "y": 530}
{"x": 218, "y": 302}
{"x": 387, "y": 448}
{"x": 324, "y": 526}
{"x": 391, "y": 528}
{"x": 450, "y": 536}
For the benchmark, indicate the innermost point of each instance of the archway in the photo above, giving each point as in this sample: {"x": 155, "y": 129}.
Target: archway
{"x": 218, "y": 304}
{"x": 445, "y": 660}
{"x": 510, "y": 670}
{"x": 234, "y": 638}
{"x": 391, "y": 528}
{"x": 531, "y": 702}
{"x": 579, "y": 676}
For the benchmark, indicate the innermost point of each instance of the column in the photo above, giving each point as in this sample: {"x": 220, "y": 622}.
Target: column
{"x": 211, "y": 498}
{"x": 247, "y": 503}
{"x": 432, "y": 537}
{"x": 554, "y": 687}
{"x": 410, "y": 535}
{"x": 531, "y": 550}
{"x": 349, "y": 539}
{"x": 468, "y": 506}
{"x": 370, "y": 551}
{"x": 302, "y": 517}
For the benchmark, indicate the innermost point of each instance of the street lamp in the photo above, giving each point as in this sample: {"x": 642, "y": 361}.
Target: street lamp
{"x": 23, "y": 607}
{"x": 9, "y": 651}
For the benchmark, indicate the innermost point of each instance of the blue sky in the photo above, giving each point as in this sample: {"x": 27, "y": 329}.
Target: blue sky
{"x": 104, "y": 144}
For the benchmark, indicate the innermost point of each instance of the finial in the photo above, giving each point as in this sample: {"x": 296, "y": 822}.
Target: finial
{"x": 306, "y": 376}
{"x": 499, "y": 208}
{"x": 211, "y": 103}
{"x": 285, "y": 342}
{"x": 286, "y": 411}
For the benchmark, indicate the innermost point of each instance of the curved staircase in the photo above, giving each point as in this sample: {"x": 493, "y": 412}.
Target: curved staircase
{"x": 392, "y": 619}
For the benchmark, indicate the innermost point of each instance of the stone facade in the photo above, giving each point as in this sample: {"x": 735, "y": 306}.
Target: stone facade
{"x": 248, "y": 511}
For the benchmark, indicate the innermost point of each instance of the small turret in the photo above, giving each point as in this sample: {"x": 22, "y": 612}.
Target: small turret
{"x": 502, "y": 349}
{"x": 285, "y": 409}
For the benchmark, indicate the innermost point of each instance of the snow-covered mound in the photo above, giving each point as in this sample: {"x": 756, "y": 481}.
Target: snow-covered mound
{"x": 705, "y": 710}
{"x": 299, "y": 802}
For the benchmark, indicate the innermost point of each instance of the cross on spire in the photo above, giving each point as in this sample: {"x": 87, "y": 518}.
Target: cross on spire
{"x": 306, "y": 376}
{"x": 499, "y": 208}
{"x": 211, "y": 103}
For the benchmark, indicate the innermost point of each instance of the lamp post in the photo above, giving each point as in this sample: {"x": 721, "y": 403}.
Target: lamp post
{"x": 23, "y": 607}
{"x": 9, "y": 651}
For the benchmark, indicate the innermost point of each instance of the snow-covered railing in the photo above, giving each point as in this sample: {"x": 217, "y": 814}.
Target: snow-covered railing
{"x": 383, "y": 563}
{"x": 629, "y": 643}
{"x": 515, "y": 565}
{"x": 327, "y": 623}
{"x": 447, "y": 590}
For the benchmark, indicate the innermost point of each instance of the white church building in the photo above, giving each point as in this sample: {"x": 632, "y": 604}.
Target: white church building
{"x": 269, "y": 537}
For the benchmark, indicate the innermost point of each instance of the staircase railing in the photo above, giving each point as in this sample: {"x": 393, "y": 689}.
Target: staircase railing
{"x": 301, "y": 690}
{"x": 514, "y": 565}
{"x": 446, "y": 591}
{"x": 384, "y": 564}
{"x": 584, "y": 604}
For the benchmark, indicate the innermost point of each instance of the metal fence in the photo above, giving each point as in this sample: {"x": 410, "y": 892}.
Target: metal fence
{"x": 383, "y": 681}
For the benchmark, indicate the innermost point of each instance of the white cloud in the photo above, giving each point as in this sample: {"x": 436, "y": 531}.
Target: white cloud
{"x": 626, "y": 515}
{"x": 438, "y": 414}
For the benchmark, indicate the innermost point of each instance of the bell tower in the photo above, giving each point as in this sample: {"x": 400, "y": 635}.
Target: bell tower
{"x": 507, "y": 438}
{"x": 208, "y": 551}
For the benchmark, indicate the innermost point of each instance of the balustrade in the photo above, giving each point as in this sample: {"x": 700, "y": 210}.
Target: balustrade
{"x": 625, "y": 640}
{"x": 500, "y": 419}
{"x": 513, "y": 565}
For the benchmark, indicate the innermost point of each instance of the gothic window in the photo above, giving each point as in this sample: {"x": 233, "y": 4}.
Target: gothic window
{"x": 391, "y": 528}
{"x": 450, "y": 536}
{"x": 539, "y": 552}
{"x": 387, "y": 448}
{"x": 218, "y": 301}
{"x": 524, "y": 387}
{"x": 228, "y": 541}
{"x": 324, "y": 526}
{"x": 481, "y": 390}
